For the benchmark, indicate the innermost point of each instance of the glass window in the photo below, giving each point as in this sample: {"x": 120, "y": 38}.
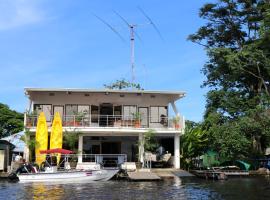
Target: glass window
{"x": 71, "y": 109}
{"x": 129, "y": 111}
{"x": 83, "y": 109}
{"x": 158, "y": 114}
{"x": 47, "y": 109}
{"x": 117, "y": 110}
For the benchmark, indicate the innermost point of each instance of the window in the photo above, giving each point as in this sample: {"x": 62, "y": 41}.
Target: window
{"x": 83, "y": 109}
{"x": 158, "y": 114}
{"x": 117, "y": 110}
{"x": 129, "y": 111}
{"x": 47, "y": 109}
{"x": 71, "y": 110}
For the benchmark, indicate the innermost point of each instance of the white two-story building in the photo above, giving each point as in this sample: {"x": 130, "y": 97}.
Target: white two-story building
{"x": 106, "y": 119}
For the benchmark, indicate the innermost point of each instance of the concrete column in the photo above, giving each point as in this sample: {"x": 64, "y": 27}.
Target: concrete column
{"x": 177, "y": 151}
{"x": 141, "y": 147}
{"x": 176, "y": 112}
{"x": 80, "y": 148}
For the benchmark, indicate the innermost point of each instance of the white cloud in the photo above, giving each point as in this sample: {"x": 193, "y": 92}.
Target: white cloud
{"x": 17, "y": 13}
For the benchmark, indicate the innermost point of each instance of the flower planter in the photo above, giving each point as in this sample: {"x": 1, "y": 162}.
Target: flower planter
{"x": 137, "y": 124}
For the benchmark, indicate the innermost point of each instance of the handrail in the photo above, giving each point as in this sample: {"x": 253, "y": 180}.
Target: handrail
{"x": 97, "y": 120}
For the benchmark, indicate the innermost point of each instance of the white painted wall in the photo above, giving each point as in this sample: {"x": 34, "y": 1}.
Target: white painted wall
{"x": 2, "y": 159}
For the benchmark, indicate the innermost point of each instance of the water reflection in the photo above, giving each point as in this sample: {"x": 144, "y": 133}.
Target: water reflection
{"x": 41, "y": 191}
{"x": 178, "y": 188}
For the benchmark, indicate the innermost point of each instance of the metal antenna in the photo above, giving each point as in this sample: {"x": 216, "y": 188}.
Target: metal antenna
{"x": 151, "y": 22}
{"x": 111, "y": 27}
{"x": 132, "y": 38}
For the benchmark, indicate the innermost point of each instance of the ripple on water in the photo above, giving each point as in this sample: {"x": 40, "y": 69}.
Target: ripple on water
{"x": 186, "y": 188}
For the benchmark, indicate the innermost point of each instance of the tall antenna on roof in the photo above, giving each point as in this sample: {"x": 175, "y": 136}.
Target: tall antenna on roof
{"x": 133, "y": 33}
{"x": 132, "y": 44}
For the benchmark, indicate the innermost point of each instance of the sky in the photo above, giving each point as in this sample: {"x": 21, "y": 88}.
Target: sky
{"x": 48, "y": 43}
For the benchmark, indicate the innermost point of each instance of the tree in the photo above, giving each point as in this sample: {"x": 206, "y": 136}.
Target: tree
{"x": 236, "y": 38}
{"x": 70, "y": 140}
{"x": 30, "y": 142}
{"x": 10, "y": 121}
{"x": 123, "y": 84}
{"x": 150, "y": 141}
{"x": 193, "y": 143}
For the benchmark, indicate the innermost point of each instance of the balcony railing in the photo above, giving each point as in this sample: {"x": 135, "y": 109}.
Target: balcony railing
{"x": 109, "y": 121}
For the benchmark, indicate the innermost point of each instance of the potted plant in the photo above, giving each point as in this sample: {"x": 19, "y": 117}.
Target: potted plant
{"x": 137, "y": 117}
{"x": 31, "y": 118}
{"x": 79, "y": 118}
{"x": 176, "y": 121}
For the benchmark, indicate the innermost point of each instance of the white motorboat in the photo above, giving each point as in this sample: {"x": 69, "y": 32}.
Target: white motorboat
{"x": 71, "y": 175}
{"x": 50, "y": 172}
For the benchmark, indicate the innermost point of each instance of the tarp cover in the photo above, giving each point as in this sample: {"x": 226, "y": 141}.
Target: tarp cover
{"x": 50, "y": 151}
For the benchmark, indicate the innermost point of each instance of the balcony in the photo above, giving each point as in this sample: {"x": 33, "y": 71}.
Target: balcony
{"x": 111, "y": 121}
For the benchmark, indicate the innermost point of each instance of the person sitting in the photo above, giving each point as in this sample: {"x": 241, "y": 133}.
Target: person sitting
{"x": 163, "y": 120}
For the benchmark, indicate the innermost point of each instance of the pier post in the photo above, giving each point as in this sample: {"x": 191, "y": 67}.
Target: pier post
{"x": 80, "y": 148}
{"x": 177, "y": 151}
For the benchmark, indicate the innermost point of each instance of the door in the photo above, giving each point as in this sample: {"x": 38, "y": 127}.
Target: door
{"x": 111, "y": 147}
{"x": 144, "y": 116}
{"x": 106, "y": 114}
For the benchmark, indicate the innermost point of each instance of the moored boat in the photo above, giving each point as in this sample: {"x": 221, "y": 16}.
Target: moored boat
{"x": 72, "y": 175}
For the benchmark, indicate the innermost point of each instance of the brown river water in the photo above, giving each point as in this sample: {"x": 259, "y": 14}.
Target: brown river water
{"x": 178, "y": 188}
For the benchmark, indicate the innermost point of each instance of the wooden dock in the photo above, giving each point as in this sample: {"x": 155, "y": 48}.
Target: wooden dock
{"x": 143, "y": 176}
{"x": 219, "y": 174}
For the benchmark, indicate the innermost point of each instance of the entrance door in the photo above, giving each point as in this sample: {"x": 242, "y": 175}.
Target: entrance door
{"x": 111, "y": 147}
{"x": 106, "y": 112}
{"x": 144, "y": 115}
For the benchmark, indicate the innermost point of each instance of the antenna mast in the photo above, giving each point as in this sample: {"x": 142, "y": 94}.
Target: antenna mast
{"x": 133, "y": 33}
{"x": 132, "y": 57}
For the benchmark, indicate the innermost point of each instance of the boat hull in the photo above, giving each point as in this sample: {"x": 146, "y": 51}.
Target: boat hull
{"x": 90, "y": 175}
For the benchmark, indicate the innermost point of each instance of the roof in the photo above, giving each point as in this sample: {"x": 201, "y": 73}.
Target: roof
{"x": 27, "y": 90}
{"x": 4, "y": 142}
{"x": 173, "y": 95}
{"x": 16, "y": 141}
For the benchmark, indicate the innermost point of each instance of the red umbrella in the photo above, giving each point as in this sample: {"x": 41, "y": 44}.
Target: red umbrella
{"x": 50, "y": 151}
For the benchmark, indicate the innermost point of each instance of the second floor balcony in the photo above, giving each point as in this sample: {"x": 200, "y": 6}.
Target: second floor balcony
{"x": 111, "y": 121}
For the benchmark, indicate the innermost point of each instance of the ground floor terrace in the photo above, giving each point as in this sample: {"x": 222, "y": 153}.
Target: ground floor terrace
{"x": 128, "y": 147}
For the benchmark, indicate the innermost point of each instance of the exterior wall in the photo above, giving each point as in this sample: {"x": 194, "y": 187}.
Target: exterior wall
{"x": 127, "y": 143}
{"x": 62, "y": 98}
{"x": 120, "y": 133}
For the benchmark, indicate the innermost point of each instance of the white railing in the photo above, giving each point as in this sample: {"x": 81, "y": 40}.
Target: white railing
{"x": 105, "y": 160}
{"x": 109, "y": 121}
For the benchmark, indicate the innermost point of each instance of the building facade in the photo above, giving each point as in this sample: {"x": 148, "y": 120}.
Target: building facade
{"x": 111, "y": 121}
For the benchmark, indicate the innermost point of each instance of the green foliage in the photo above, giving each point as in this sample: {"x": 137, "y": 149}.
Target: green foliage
{"x": 236, "y": 36}
{"x": 70, "y": 140}
{"x": 137, "y": 116}
{"x": 123, "y": 84}
{"x": 150, "y": 141}
{"x": 30, "y": 142}
{"x": 10, "y": 121}
{"x": 193, "y": 143}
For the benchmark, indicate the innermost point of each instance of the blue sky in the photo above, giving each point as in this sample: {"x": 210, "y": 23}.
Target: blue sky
{"x": 48, "y": 43}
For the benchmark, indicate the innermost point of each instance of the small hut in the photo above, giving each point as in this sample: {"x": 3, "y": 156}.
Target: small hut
{"x": 6, "y": 149}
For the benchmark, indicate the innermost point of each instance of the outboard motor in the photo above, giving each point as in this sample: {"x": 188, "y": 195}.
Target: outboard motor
{"x": 13, "y": 177}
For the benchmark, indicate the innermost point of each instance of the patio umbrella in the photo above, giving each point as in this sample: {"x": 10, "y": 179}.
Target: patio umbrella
{"x": 56, "y": 139}
{"x": 58, "y": 150}
{"x": 41, "y": 138}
